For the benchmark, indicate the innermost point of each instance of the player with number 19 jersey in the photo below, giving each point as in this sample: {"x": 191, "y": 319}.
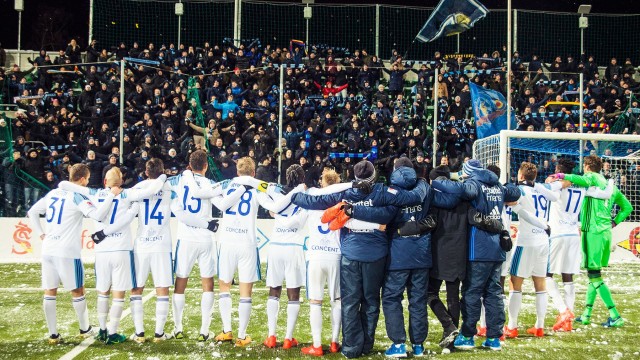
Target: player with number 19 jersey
{"x": 531, "y": 254}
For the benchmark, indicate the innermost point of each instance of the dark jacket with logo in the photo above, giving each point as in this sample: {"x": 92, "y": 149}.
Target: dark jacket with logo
{"x": 365, "y": 245}
{"x": 484, "y": 192}
{"x": 408, "y": 252}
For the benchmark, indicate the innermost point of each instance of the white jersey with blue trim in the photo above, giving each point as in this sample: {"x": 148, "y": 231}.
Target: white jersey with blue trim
{"x": 121, "y": 240}
{"x": 532, "y": 231}
{"x": 565, "y": 213}
{"x": 507, "y": 211}
{"x": 238, "y": 223}
{"x": 63, "y": 213}
{"x": 192, "y": 206}
{"x": 285, "y": 232}
{"x": 323, "y": 244}
{"x": 154, "y": 216}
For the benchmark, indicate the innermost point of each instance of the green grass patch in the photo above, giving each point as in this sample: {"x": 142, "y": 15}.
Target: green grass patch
{"x": 23, "y": 329}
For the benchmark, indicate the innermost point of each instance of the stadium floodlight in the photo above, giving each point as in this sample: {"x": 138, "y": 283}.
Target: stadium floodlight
{"x": 583, "y": 23}
{"x": 308, "y": 13}
{"x": 19, "y": 7}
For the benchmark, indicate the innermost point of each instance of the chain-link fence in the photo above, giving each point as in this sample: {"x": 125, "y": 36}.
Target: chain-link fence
{"x": 377, "y": 28}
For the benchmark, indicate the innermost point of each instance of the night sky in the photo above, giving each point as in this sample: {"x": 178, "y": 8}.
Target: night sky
{"x": 73, "y": 16}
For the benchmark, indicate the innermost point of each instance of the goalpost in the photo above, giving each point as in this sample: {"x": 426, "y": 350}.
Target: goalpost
{"x": 620, "y": 154}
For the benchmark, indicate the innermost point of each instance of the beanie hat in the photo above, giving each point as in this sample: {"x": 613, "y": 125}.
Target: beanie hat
{"x": 364, "y": 170}
{"x": 403, "y": 161}
{"x": 471, "y": 166}
{"x": 440, "y": 171}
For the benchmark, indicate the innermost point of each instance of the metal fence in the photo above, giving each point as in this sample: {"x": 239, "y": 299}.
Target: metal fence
{"x": 377, "y": 28}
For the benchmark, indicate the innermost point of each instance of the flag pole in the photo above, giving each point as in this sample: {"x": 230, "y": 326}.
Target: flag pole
{"x": 508, "y": 64}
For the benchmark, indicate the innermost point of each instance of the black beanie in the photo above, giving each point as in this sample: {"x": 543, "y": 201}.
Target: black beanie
{"x": 403, "y": 161}
{"x": 439, "y": 171}
{"x": 364, "y": 170}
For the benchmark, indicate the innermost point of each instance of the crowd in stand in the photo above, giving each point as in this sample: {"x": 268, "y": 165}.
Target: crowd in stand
{"x": 338, "y": 108}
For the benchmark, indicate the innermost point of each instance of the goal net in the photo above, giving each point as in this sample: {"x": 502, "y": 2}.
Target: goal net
{"x": 620, "y": 155}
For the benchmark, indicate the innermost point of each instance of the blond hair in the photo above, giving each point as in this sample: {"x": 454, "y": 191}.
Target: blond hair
{"x": 113, "y": 177}
{"x": 330, "y": 177}
{"x": 246, "y": 166}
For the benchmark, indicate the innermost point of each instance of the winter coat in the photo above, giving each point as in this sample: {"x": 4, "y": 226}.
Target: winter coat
{"x": 365, "y": 245}
{"x": 488, "y": 196}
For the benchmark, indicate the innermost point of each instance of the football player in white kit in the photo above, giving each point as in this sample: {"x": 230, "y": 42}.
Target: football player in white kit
{"x": 195, "y": 238}
{"x": 565, "y": 244}
{"x": 531, "y": 255}
{"x": 323, "y": 263}
{"x": 152, "y": 252}
{"x": 62, "y": 244}
{"x": 114, "y": 266}
{"x": 286, "y": 261}
{"x": 237, "y": 248}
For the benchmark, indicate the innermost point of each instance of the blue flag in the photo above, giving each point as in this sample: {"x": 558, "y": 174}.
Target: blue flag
{"x": 489, "y": 111}
{"x": 452, "y": 17}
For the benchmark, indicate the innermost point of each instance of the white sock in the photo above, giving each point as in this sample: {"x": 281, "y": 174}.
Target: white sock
{"x": 515, "y": 301}
{"x": 224, "y": 303}
{"x": 49, "y": 306}
{"x": 206, "y": 306}
{"x": 244, "y": 313}
{"x": 115, "y": 313}
{"x": 315, "y": 319}
{"x": 178, "y": 308}
{"x": 505, "y": 302}
{"x": 162, "y": 311}
{"x": 293, "y": 308}
{"x": 569, "y": 294}
{"x": 80, "y": 305}
{"x": 137, "y": 313}
{"x": 541, "y": 308}
{"x": 556, "y": 297}
{"x": 273, "y": 307}
{"x": 336, "y": 319}
{"x": 483, "y": 319}
{"x": 103, "y": 310}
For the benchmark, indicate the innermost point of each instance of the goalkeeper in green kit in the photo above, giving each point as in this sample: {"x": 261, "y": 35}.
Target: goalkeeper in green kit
{"x": 596, "y": 225}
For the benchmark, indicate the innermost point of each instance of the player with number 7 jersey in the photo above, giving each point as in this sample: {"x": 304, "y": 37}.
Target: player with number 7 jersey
{"x": 115, "y": 264}
{"x": 62, "y": 245}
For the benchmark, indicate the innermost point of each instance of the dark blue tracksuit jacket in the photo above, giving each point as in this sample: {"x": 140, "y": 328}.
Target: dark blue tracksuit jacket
{"x": 408, "y": 252}
{"x": 485, "y": 193}
{"x": 366, "y": 245}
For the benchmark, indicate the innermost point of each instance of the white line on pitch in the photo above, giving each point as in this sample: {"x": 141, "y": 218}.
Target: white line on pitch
{"x": 90, "y": 340}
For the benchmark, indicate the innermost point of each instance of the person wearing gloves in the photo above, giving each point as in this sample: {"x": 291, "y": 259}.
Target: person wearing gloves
{"x": 482, "y": 281}
{"x": 408, "y": 262}
{"x": 364, "y": 253}
{"x": 596, "y": 225}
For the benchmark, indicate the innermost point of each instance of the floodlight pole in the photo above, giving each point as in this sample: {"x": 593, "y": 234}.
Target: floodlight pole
{"x": 121, "y": 109}
{"x": 280, "y": 115}
{"x": 435, "y": 117}
{"x": 581, "y": 117}
{"x": 509, "y": 65}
